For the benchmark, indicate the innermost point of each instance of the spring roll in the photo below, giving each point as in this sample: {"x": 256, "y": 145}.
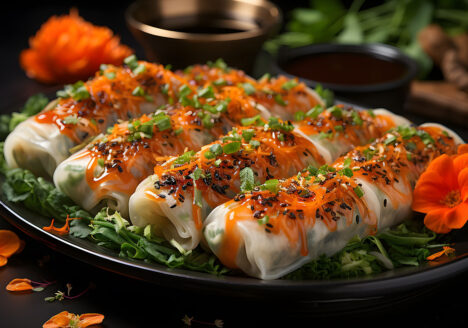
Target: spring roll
{"x": 84, "y": 110}
{"x": 282, "y": 96}
{"x": 108, "y": 171}
{"x": 269, "y": 234}
{"x": 280, "y": 151}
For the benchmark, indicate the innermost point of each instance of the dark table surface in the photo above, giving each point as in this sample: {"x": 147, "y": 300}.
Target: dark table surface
{"x": 130, "y": 303}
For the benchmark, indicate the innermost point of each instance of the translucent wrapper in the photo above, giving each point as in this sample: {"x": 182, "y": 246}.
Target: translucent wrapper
{"x": 182, "y": 221}
{"x": 175, "y": 201}
{"x": 84, "y": 111}
{"x": 334, "y": 142}
{"x": 108, "y": 171}
{"x": 367, "y": 190}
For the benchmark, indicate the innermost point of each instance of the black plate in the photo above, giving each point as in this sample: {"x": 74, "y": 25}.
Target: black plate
{"x": 354, "y": 293}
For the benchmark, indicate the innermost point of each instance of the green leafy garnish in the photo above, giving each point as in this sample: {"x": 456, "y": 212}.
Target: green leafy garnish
{"x": 247, "y": 179}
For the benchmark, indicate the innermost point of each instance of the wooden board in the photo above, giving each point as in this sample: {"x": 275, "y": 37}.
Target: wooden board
{"x": 439, "y": 101}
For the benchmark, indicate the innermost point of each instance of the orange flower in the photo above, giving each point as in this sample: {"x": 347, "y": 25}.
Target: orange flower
{"x": 68, "y": 48}
{"x": 9, "y": 244}
{"x": 442, "y": 192}
{"x": 66, "y": 319}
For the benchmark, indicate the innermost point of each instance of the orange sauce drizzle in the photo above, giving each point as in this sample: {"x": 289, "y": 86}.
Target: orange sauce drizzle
{"x": 302, "y": 200}
{"x": 109, "y": 97}
{"x": 272, "y": 159}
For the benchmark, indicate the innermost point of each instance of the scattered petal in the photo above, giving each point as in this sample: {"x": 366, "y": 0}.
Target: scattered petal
{"x": 19, "y": 285}
{"x": 9, "y": 243}
{"x": 446, "y": 251}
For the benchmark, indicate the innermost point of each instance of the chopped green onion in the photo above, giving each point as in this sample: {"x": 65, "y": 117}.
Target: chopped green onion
{"x": 219, "y": 63}
{"x": 265, "y": 77}
{"x": 263, "y": 220}
{"x": 254, "y": 143}
{"x": 255, "y": 120}
{"x": 198, "y": 173}
{"x": 248, "y": 134}
{"x": 279, "y": 99}
{"x": 299, "y": 116}
{"x": 347, "y": 172}
{"x": 162, "y": 121}
{"x": 336, "y": 111}
{"x": 249, "y": 89}
{"x": 356, "y": 118}
{"x": 271, "y": 185}
{"x": 231, "y": 147}
{"x": 358, "y": 191}
{"x": 289, "y": 85}
{"x": 207, "y": 92}
{"x": 131, "y": 61}
{"x": 185, "y": 157}
{"x": 219, "y": 82}
{"x": 216, "y": 149}
{"x": 315, "y": 112}
{"x": 76, "y": 91}
{"x": 100, "y": 162}
{"x": 217, "y": 162}
{"x": 390, "y": 140}
{"x": 208, "y": 155}
{"x": 71, "y": 119}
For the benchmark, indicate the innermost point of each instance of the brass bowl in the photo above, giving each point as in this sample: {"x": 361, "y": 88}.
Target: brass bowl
{"x": 186, "y": 32}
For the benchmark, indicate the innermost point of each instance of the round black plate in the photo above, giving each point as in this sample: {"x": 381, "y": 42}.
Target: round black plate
{"x": 392, "y": 285}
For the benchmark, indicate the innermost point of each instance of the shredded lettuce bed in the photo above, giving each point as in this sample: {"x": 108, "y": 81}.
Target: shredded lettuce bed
{"x": 408, "y": 244}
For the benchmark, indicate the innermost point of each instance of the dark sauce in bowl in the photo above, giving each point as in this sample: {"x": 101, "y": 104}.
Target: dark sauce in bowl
{"x": 346, "y": 68}
{"x": 205, "y": 24}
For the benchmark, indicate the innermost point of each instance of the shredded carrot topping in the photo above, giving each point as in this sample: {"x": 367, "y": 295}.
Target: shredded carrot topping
{"x": 61, "y": 231}
{"x": 68, "y": 48}
{"x": 66, "y": 319}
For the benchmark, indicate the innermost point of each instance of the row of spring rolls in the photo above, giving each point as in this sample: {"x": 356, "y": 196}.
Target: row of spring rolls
{"x": 268, "y": 234}
{"x": 182, "y": 192}
{"x": 85, "y": 110}
{"x": 107, "y": 172}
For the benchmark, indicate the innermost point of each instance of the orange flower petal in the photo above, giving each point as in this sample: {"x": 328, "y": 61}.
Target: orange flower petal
{"x": 88, "y": 319}
{"x": 435, "y": 221}
{"x": 60, "y": 320}
{"x": 444, "y": 169}
{"x": 462, "y": 149}
{"x": 19, "y": 285}
{"x": 3, "y": 260}
{"x": 427, "y": 197}
{"x": 446, "y": 251}
{"x": 9, "y": 243}
{"x": 456, "y": 217}
{"x": 460, "y": 162}
{"x": 463, "y": 183}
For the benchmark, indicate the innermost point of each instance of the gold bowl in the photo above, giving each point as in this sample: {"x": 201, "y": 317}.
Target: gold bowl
{"x": 186, "y": 32}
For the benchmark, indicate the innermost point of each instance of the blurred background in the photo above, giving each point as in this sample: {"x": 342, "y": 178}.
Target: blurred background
{"x": 423, "y": 30}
